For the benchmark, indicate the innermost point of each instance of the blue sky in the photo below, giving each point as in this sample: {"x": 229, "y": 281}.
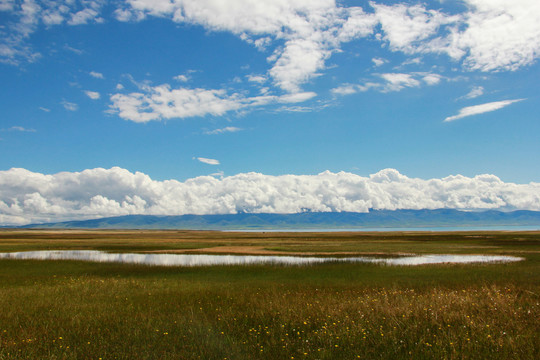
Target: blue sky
{"x": 182, "y": 89}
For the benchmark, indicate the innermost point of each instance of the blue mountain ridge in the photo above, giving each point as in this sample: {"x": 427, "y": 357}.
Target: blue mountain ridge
{"x": 310, "y": 220}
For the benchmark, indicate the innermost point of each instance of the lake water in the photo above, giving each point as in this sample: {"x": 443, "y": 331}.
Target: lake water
{"x": 212, "y": 260}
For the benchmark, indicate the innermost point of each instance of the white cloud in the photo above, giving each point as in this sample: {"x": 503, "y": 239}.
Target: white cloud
{"x": 19, "y": 128}
{"x": 311, "y": 30}
{"x": 501, "y": 35}
{"x": 297, "y": 97}
{"x": 97, "y": 75}
{"x": 208, "y": 161}
{"x": 432, "y": 79}
{"x": 119, "y": 87}
{"x": 7, "y": 5}
{"x": 181, "y": 78}
{"x": 391, "y": 82}
{"x": 480, "y": 109}
{"x": 489, "y": 35}
{"x": 379, "y": 61}
{"x": 257, "y": 79}
{"x": 474, "y": 93}
{"x": 84, "y": 17}
{"x": 227, "y": 129}
{"x": 348, "y": 89}
{"x": 345, "y": 89}
{"x": 73, "y": 50}
{"x": 22, "y": 18}
{"x": 52, "y": 17}
{"x": 398, "y": 81}
{"x": 163, "y": 102}
{"x": 92, "y": 94}
{"x": 27, "y": 197}
{"x": 492, "y": 35}
{"x": 44, "y": 109}
{"x": 69, "y": 106}
{"x": 406, "y": 27}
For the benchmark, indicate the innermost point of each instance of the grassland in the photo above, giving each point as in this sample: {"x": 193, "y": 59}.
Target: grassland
{"x": 82, "y": 310}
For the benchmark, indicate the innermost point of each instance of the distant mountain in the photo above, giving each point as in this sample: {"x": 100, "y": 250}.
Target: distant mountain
{"x": 311, "y": 220}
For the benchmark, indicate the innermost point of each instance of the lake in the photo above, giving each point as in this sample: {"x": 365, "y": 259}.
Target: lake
{"x": 189, "y": 260}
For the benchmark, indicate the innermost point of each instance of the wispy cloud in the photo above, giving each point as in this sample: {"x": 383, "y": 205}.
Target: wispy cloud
{"x": 69, "y": 105}
{"x": 297, "y": 97}
{"x": 227, "y": 129}
{"x": 208, "y": 161}
{"x": 19, "y": 128}
{"x": 181, "y": 78}
{"x": 379, "y": 61}
{"x": 164, "y": 102}
{"x": 73, "y": 50}
{"x": 92, "y": 94}
{"x": 480, "y": 109}
{"x": 44, "y": 109}
{"x": 390, "y": 82}
{"x": 97, "y": 75}
{"x": 474, "y": 93}
{"x": 256, "y": 79}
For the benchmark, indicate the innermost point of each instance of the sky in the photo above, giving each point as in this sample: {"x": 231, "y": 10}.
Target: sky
{"x": 208, "y": 106}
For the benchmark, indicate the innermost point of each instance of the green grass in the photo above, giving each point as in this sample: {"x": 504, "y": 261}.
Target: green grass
{"x": 83, "y": 310}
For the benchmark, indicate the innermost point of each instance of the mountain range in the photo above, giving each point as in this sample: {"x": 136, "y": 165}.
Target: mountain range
{"x": 311, "y": 220}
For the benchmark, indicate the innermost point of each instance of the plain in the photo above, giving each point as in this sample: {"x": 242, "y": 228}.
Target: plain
{"x": 83, "y": 310}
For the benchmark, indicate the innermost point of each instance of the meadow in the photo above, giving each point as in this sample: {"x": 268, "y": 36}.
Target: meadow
{"x": 84, "y": 310}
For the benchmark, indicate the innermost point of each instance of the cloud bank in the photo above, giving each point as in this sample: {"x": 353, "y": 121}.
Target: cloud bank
{"x": 29, "y": 197}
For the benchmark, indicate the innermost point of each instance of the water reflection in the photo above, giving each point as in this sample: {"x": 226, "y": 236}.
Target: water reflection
{"x": 209, "y": 260}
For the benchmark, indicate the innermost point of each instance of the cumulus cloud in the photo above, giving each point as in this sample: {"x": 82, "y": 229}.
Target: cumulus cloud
{"x": 227, "y": 129}
{"x": 164, "y": 102}
{"x": 405, "y": 27}
{"x": 92, "y": 94}
{"x": 480, "y": 109}
{"x": 310, "y": 31}
{"x": 487, "y": 36}
{"x": 501, "y": 35}
{"x": 208, "y": 161}
{"x": 27, "y": 197}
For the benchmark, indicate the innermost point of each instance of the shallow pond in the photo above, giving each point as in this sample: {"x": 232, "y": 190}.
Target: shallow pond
{"x": 209, "y": 260}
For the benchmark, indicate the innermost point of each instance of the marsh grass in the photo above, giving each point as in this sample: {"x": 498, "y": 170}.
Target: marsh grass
{"x": 81, "y": 310}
